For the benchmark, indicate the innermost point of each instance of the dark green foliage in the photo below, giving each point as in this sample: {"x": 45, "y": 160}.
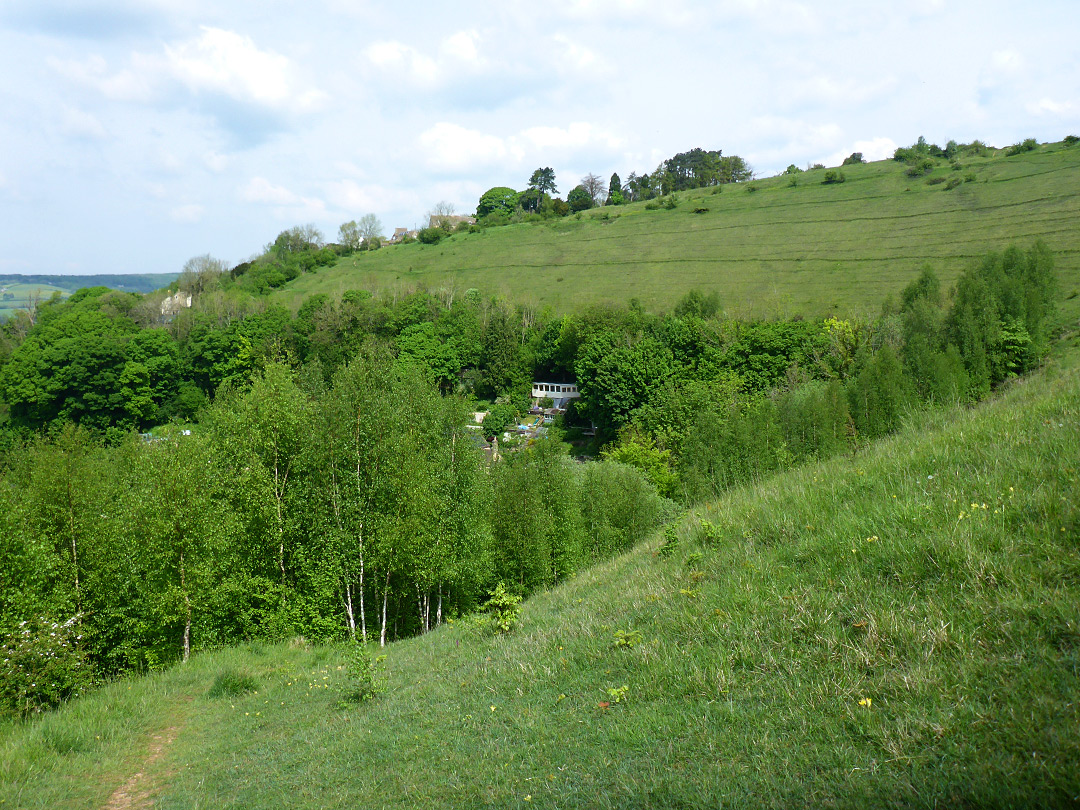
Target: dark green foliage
{"x": 498, "y": 200}
{"x": 698, "y": 305}
{"x": 579, "y": 199}
{"x": 366, "y": 680}
{"x": 233, "y": 683}
{"x": 879, "y": 394}
{"x": 1000, "y": 316}
{"x": 543, "y": 180}
{"x": 833, "y": 176}
{"x": 1026, "y": 145}
{"x": 853, "y": 158}
{"x": 815, "y": 419}
{"x": 430, "y": 236}
{"x": 732, "y": 446}
{"x": 1071, "y": 140}
{"x": 42, "y": 663}
{"x": 920, "y": 166}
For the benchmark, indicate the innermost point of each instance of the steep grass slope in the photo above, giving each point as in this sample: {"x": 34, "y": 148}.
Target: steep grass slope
{"x": 809, "y": 249}
{"x": 897, "y": 629}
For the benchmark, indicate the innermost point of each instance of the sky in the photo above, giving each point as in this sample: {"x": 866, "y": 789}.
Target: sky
{"x": 136, "y": 134}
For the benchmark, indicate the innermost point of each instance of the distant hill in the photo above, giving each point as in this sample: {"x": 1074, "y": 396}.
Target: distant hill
{"x": 136, "y": 282}
{"x": 18, "y": 291}
{"x": 779, "y": 246}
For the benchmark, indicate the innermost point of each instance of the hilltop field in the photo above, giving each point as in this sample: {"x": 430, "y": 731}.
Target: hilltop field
{"x": 770, "y": 248}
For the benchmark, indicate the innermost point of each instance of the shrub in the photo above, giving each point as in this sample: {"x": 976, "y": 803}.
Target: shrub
{"x": 42, "y": 665}
{"x": 933, "y": 181}
{"x": 231, "y": 683}
{"x": 792, "y": 169}
{"x": 818, "y": 166}
{"x": 366, "y": 679}
{"x": 853, "y": 158}
{"x": 1071, "y": 140}
{"x": 920, "y": 167}
{"x": 504, "y": 608}
{"x": 669, "y": 202}
{"x": 1026, "y": 145}
{"x": 953, "y": 182}
{"x": 430, "y": 236}
{"x": 833, "y": 176}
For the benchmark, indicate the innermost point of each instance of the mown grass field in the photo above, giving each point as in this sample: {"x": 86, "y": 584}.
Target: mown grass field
{"x": 23, "y": 295}
{"x": 900, "y": 628}
{"x": 808, "y": 249}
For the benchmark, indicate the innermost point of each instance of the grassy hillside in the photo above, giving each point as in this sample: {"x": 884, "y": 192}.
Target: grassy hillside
{"x": 901, "y": 628}
{"x": 810, "y": 248}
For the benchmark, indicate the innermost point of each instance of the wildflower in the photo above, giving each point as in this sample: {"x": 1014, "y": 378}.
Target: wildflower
{"x": 865, "y": 702}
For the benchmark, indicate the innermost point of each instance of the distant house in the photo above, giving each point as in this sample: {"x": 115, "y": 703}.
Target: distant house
{"x": 173, "y": 304}
{"x": 451, "y": 220}
{"x": 400, "y": 234}
{"x": 558, "y": 393}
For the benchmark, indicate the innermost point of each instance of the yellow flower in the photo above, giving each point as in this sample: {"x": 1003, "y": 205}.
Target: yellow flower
{"x": 865, "y": 702}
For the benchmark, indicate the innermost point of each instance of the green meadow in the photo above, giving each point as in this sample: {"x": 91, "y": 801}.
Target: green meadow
{"x": 768, "y": 247}
{"x": 23, "y": 295}
{"x": 894, "y": 628}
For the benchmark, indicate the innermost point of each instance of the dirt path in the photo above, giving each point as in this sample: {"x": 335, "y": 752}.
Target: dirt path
{"x": 136, "y": 792}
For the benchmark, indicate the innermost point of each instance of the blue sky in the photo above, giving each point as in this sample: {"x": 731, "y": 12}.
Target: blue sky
{"x": 138, "y": 133}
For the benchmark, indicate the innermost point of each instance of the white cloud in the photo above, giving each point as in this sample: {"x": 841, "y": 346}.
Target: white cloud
{"x": 450, "y": 147}
{"x": 575, "y": 57}
{"x": 1006, "y": 61}
{"x": 261, "y": 190}
{"x": 576, "y": 136}
{"x": 287, "y": 204}
{"x": 216, "y": 163}
{"x": 187, "y": 214}
{"x": 873, "y": 149}
{"x": 216, "y": 62}
{"x": 1048, "y": 106}
{"x": 225, "y": 62}
{"x": 409, "y": 63}
{"x": 135, "y": 84}
{"x": 832, "y": 90}
{"x": 81, "y": 124}
{"x": 350, "y": 196}
{"x": 462, "y": 46}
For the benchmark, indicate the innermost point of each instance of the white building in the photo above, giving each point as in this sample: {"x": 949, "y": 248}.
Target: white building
{"x": 558, "y": 393}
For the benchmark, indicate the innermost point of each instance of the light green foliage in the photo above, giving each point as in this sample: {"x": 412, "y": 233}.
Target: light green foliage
{"x": 639, "y": 450}
{"x": 367, "y": 678}
{"x": 504, "y": 608}
{"x": 627, "y": 638}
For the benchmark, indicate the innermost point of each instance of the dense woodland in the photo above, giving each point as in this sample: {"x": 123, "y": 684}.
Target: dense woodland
{"x": 330, "y": 488}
